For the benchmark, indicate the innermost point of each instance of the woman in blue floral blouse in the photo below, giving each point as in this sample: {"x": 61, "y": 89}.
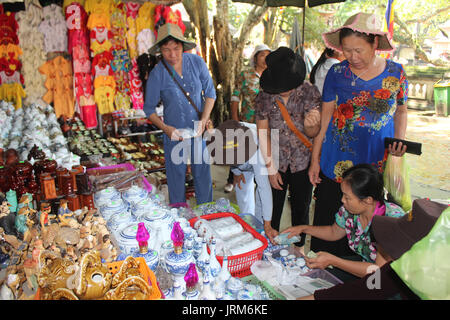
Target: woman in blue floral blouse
{"x": 362, "y": 188}
{"x": 364, "y": 101}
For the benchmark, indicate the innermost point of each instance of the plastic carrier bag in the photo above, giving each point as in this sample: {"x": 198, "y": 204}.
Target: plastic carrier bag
{"x": 425, "y": 268}
{"x": 396, "y": 181}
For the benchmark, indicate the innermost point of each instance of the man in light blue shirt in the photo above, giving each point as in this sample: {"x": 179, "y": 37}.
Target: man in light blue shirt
{"x": 182, "y": 125}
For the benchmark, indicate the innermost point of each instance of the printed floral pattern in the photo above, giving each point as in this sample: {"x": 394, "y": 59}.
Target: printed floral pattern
{"x": 340, "y": 168}
{"x": 358, "y": 238}
{"x": 363, "y": 116}
{"x": 246, "y": 89}
{"x": 292, "y": 152}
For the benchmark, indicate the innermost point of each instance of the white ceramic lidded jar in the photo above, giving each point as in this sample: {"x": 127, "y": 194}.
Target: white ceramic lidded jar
{"x": 126, "y": 238}
{"x": 134, "y": 194}
{"x": 139, "y": 209}
{"x": 105, "y": 196}
{"x": 160, "y": 218}
{"x": 113, "y": 207}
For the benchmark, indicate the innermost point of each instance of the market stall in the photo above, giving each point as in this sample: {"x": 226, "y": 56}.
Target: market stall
{"x": 84, "y": 210}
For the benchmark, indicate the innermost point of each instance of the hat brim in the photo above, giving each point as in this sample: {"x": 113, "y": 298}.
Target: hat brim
{"x": 270, "y": 84}
{"x": 252, "y": 57}
{"x": 331, "y": 39}
{"x": 389, "y": 235}
{"x": 187, "y": 45}
{"x": 244, "y": 146}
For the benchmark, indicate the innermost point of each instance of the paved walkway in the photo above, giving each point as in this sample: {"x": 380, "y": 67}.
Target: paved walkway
{"x": 429, "y": 172}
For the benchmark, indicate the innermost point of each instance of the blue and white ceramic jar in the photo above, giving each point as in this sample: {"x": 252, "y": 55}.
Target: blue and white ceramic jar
{"x": 159, "y": 218}
{"x": 134, "y": 194}
{"x": 105, "y": 196}
{"x": 142, "y": 207}
{"x": 126, "y": 238}
{"x": 113, "y": 207}
{"x": 119, "y": 220}
{"x": 177, "y": 263}
{"x": 151, "y": 257}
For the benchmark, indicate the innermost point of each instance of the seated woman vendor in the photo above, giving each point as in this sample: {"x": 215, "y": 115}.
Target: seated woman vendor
{"x": 362, "y": 188}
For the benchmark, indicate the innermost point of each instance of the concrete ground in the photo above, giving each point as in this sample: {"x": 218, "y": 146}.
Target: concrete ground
{"x": 429, "y": 172}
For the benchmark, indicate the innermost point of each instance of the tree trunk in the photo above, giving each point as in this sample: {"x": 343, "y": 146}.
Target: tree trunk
{"x": 222, "y": 52}
{"x": 198, "y": 13}
{"x": 271, "y": 27}
{"x": 409, "y": 40}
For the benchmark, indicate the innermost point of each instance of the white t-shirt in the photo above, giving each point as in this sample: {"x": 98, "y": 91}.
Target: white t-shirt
{"x": 322, "y": 71}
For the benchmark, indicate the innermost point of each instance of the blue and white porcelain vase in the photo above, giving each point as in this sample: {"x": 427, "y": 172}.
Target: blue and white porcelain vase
{"x": 203, "y": 258}
{"x": 224, "y": 274}
{"x": 207, "y": 292}
{"x": 197, "y": 250}
{"x": 213, "y": 262}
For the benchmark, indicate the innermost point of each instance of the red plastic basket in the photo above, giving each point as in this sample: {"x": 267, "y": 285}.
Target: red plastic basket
{"x": 239, "y": 265}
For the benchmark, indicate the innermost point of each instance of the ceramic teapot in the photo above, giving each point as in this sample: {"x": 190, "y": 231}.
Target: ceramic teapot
{"x": 160, "y": 218}
{"x": 134, "y": 195}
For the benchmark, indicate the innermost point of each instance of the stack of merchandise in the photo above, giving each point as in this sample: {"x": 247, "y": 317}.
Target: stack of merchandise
{"x": 76, "y": 18}
{"x": 58, "y": 70}
{"x": 100, "y": 45}
{"x": 121, "y": 63}
{"x": 32, "y": 45}
{"x": 11, "y": 88}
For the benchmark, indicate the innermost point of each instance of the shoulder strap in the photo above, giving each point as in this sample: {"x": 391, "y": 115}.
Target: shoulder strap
{"x": 179, "y": 86}
{"x": 292, "y": 126}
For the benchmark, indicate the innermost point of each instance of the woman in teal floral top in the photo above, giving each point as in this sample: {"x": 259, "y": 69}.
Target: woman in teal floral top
{"x": 362, "y": 188}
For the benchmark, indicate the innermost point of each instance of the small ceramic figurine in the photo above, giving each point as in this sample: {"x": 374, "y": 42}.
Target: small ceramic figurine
{"x": 23, "y": 223}
{"x": 45, "y": 214}
{"x": 87, "y": 240}
{"x": 26, "y": 200}
{"x": 11, "y": 197}
{"x": 107, "y": 251}
{"x": 10, "y": 239}
{"x": 31, "y": 269}
{"x": 7, "y": 219}
{"x": 63, "y": 209}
